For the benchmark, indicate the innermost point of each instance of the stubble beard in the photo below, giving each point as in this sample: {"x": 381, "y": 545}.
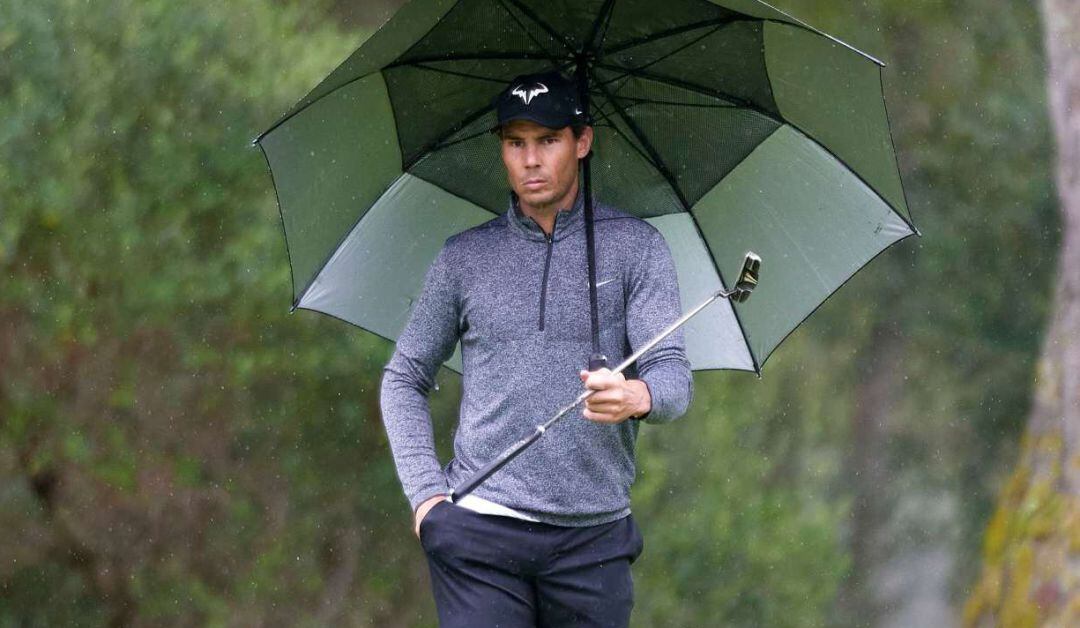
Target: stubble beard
{"x": 549, "y": 201}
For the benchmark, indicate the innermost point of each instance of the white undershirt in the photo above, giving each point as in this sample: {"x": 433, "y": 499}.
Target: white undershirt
{"x": 488, "y": 507}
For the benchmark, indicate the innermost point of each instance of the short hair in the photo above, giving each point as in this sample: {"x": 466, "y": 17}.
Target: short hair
{"x": 576, "y": 129}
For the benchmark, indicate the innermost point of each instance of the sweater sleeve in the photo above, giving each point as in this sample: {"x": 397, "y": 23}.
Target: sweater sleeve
{"x": 428, "y": 340}
{"x": 653, "y": 303}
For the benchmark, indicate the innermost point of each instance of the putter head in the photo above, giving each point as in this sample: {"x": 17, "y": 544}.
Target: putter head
{"x": 748, "y": 277}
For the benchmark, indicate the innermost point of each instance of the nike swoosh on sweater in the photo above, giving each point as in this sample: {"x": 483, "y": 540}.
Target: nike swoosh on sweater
{"x": 517, "y": 300}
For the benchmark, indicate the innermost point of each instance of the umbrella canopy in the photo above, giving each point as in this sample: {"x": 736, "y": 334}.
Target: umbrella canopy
{"x": 727, "y": 124}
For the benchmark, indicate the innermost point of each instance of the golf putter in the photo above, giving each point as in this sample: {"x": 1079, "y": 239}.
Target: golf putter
{"x": 744, "y": 286}
{"x": 748, "y": 277}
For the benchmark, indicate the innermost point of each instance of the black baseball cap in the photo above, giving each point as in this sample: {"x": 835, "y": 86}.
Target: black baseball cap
{"x": 546, "y": 98}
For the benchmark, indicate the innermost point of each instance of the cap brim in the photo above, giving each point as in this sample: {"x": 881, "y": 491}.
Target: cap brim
{"x": 550, "y": 123}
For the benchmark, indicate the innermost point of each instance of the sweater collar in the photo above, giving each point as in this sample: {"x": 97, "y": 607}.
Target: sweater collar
{"x": 567, "y": 220}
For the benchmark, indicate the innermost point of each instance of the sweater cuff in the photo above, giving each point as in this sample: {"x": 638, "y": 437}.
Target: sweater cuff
{"x": 669, "y": 392}
{"x": 427, "y": 491}
{"x": 651, "y": 403}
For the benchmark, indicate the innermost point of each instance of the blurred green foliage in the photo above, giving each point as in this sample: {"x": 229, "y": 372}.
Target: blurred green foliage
{"x": 176, "y": 449}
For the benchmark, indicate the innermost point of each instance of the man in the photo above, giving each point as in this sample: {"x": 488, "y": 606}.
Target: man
{"x": 547, "y": 540}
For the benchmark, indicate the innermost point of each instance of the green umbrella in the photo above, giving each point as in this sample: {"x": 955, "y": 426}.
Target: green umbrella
{"x": 728, "y": 125}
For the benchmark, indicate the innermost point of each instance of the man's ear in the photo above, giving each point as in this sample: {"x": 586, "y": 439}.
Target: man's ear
{"x": 584, "y": 143}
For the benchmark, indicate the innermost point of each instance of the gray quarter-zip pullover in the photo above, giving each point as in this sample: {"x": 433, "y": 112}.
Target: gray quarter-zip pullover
{"x": 518, "y": 301}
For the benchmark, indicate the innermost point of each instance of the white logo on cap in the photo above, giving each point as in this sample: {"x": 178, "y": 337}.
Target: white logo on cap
{"x": 577, "y": 112}
{"x": 539, "y": 88}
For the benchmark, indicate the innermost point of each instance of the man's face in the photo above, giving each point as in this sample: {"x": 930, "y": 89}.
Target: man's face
{"x": 541, "y": 163}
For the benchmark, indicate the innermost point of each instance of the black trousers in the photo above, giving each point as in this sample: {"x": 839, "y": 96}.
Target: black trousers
{"x": 496, "y": 571}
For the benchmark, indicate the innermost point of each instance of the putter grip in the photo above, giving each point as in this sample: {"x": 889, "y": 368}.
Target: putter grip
{"x": 485, "y": 472}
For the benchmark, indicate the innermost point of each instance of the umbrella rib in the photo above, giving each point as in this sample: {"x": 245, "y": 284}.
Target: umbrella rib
{"x": 284, "y": 231}
{"x": 694, "y": 87}
{"x": 526, "y": 31}
{"x": 529, "y": 13}
{"x": 464, "y": 122}
{"x": 625, "y": 78}
{"x": 607, "y": 25}
{"x": 600, "y": 111}
{"x": 626, "y": 138}
{"x": 678, "y": 30}
{"x": 443, "y": 145}
{"x": 455, "y": 73}
{"x": 892, "y": 143}
{"x": 649, "y": 101}
{"x": 476, "y": 56}
{"x": 680, "y": 48}
{"x": 398, "y": 64}
{"x": 797, "y": 23}
{"x": 656, "y": 159}
{"x": 611, "y": 124}
{"x": 603, "y": 15}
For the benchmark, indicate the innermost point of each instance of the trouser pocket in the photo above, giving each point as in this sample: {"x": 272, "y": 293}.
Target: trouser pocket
{"x": 429, "y": 521}
{"x": 638, "y": 538}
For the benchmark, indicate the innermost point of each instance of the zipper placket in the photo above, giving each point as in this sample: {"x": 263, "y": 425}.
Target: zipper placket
{"x": 547, "y": 263}
{"x": 543, "y": 285}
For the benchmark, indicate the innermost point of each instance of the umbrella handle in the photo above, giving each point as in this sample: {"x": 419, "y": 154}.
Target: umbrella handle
{"x": 738, "y": 293}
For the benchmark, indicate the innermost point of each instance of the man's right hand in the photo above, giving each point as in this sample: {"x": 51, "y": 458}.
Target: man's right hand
{"x": 422, "y": 511}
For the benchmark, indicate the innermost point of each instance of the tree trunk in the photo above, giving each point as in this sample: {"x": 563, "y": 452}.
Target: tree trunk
{"x": 868, "y": 468}
{"x": 1031, "y": 555}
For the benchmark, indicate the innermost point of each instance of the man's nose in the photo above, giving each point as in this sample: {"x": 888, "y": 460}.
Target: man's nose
{"x": 532, "y": 156}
